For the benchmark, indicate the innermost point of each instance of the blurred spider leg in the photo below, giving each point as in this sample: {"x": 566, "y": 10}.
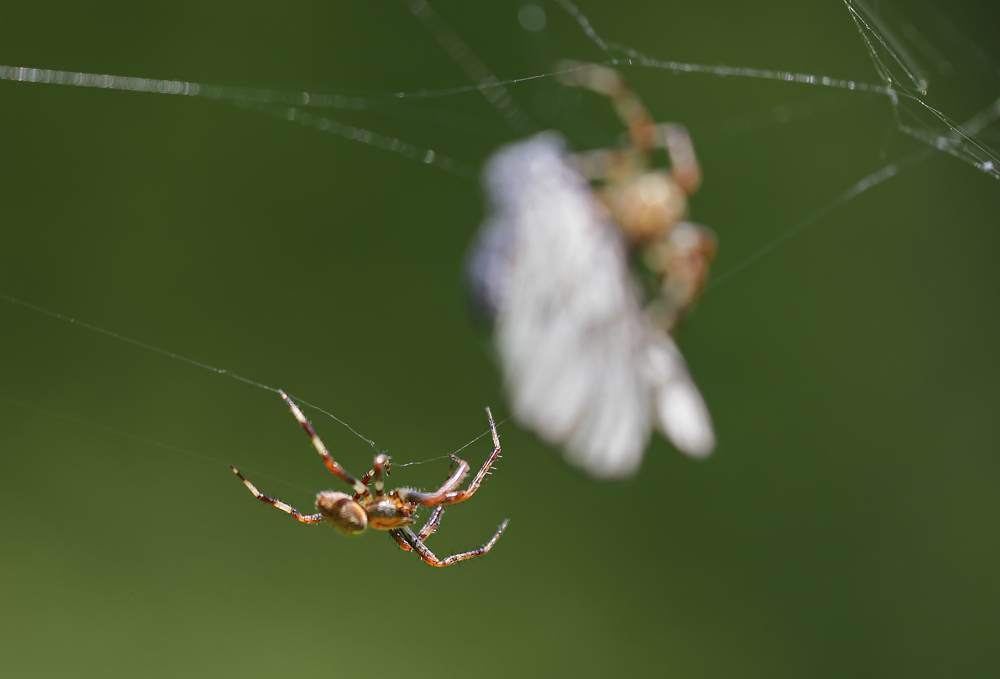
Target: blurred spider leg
{"x": 406, "y": 538}
{"x": 425, "y": 532}
{"x": 459, "y": 495}
{"x": 331, "y": 464}
{"x": 605, "y": 165}
{"x": 684, "y": 166}
{"x": 278, "y": 504}
{"x": 612, "y": 84}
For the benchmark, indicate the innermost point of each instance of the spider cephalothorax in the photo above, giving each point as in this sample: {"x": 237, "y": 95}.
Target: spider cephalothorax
{"x": 393, "y": 510}
{"x": 383, "y": 511}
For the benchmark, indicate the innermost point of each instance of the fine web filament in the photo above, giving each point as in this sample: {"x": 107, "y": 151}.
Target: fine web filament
{"x": 178, "y": 357}
{"x": 198, "y": 364}
{"x": 141, "y": 439}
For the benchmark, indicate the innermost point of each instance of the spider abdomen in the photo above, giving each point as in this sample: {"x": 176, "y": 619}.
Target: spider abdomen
{"x": 647, "y": 207}
{"x": 342, "y": 512}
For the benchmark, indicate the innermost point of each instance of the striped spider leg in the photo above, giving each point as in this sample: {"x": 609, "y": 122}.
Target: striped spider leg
{"x": 409, "y": 540}
{"x": 392, "y": 511}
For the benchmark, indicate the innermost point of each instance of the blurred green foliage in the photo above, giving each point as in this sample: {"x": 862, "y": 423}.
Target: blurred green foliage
{"x": 846, "y": 526}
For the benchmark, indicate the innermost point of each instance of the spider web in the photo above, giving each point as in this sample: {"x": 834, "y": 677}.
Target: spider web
{"x": 911, "y": 53}
{"x": 902, "y": 80}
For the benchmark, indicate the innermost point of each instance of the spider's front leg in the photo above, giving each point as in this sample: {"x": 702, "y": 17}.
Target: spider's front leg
{"x": 360, "y": 489}
{"x": 411, "y": 542}
{"x": 684, "y": 165}
{"x": 447, "y": 495}
{"x": 278, "y": 504}
{"x": 459, "y": 495}
{"x": 646, "y": 135}
{"x": 611, "y": 83}
{"x": 417, "y": 497}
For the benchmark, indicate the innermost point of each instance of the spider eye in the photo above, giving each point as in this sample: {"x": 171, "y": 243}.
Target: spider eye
{"x": 342, "y": 512}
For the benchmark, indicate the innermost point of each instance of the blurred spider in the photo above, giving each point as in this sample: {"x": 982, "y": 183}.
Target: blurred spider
{"x": 649, "y": 205}
{"x": 393, "y": 511}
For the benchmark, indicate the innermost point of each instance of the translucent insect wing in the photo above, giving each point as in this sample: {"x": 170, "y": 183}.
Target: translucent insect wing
{"x": 583, "y": 366}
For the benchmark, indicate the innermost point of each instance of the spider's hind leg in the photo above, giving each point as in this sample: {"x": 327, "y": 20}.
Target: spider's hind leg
{"x": 278, "y": 504}
{"x": 409, "y": 541}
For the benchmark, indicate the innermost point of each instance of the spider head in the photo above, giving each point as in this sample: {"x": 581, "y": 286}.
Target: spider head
{"x": 342, "y": 512}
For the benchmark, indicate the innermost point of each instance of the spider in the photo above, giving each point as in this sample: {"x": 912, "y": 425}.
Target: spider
{"x": 393, "y": 511}
{"x": 649, "y": 206}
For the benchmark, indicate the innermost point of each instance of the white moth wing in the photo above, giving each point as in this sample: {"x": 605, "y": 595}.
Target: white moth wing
{"x": 583, "y": 366}
{"x": 681, "y": 412}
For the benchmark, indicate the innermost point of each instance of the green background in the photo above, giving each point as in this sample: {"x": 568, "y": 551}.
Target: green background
{"x": 846, "y": 526}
